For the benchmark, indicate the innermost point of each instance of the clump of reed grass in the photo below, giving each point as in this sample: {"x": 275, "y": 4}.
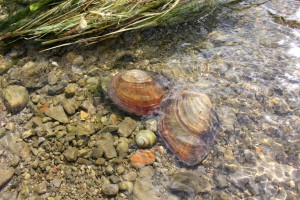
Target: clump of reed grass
{"x": 65, "y": 22}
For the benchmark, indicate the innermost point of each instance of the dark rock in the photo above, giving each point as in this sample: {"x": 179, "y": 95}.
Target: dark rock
{"x": 57, "y": 89}
{"x": 114, "y": 179}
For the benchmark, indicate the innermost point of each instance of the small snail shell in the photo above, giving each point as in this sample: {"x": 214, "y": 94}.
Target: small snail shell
{"x": 145, "y": 138}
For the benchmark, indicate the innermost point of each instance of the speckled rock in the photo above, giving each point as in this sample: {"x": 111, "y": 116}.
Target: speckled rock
{"x": 126, "y": 127}
{"x": 5, "y": 175}
{"x": 34, "y": 75}
{"x": 58, "y": 114}
{"x": 15, "y": 98}
{"x": 84, "y": 129}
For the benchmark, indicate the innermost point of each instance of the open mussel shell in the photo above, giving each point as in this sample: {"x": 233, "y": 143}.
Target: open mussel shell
{"x": 136, "y": 91}
{"x": 188, "y": 123}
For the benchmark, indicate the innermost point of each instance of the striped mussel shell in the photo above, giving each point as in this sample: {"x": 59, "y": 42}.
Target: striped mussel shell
{"x": 188, "y": 123}
{"x": 136, "y": 91}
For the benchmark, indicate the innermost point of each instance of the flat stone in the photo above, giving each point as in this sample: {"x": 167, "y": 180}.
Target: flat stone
{"x": 189, "y": 183}
{"x": 108, "y": 148}
{"x": 5, "y": 175}
{"x": 110, "y": 189}
{"x": 58, "y": 114}
{"x": 84, "y": 129}
{"x": 71, "y": 154}
{"x": 15, "y": 98}
{"x": 56, "y": 182}
{"x": 68, "y": 107}
{"x": 127, "y": 126}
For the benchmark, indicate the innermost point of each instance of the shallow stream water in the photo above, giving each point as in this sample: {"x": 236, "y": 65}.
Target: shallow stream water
{"x": 244, "y": 56}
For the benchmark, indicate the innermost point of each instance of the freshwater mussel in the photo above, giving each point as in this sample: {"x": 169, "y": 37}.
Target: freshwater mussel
{"x": 188, "y": 123}
{"x": 136, "y": 91}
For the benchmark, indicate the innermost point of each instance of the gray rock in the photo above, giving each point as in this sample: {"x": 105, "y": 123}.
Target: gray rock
{"x": 57, "y": 89}
{"x": 34, "y": 75}
{"x": 68, "y": 107}
{"x": 108, "y": 148}
{"x": 100, "y": 162}
{"x": 15, "y": 98}
{"x": 56, "y": 182}
{"x": 220, "y": 181}
{"x": 110, "y": 189}
{"x": 5, "y": 175}
{"x": 57, "y": 113}
{"x": 114, "y": 179}
{"x": 15, "y": 161}
{"x": 123, "y": 147}
{"x": 97, "y": 152}
{"x": 71, "y": 154}
{"x": 144, "y": 190}
{"x": 52, "y": 78}
{"x": 127, "y": 126}
{"x": 189, "y": 183}
{"x": 84, "y": 161}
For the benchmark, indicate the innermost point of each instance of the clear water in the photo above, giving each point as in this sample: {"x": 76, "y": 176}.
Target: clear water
{"x": 246, "y": 58}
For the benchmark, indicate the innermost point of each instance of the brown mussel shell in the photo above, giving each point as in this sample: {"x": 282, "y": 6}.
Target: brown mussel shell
{"x": 136, "y": 91}
{"x": 188, "y": 123}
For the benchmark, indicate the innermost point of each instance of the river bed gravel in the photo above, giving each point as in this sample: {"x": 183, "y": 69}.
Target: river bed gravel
{"x": 69, "y": 141}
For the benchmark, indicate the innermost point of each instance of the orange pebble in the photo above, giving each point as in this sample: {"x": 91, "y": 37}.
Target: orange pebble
{"x": 43, "y": 107}
{"x": 142, "y": 158}
{"x": 54, "y": 170}
{"x": 259, "y": 149}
